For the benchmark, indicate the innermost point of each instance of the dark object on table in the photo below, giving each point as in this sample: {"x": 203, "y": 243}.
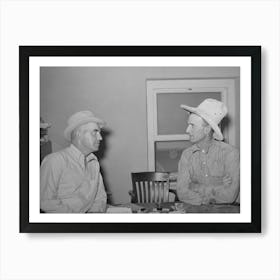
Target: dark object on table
{"x": 45, "y": 143}
{"x": 45, "y": 149}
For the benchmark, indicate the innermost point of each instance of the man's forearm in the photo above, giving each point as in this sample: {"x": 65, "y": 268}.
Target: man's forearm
{"x": 98, "y": 206}
{"x": 189, "y": 196}
{"x": 54, "y": 206}
{"x": 225, "y": 194}
{"x": 217, "y": 194}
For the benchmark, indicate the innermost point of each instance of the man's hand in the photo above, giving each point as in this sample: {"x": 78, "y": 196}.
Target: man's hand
{"x": 227, "y": 180}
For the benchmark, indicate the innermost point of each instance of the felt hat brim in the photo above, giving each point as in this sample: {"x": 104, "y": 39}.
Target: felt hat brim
{"x": 70, "y": 128}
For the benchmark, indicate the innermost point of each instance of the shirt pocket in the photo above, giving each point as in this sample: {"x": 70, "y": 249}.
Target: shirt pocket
{"x": 69, "y": 182}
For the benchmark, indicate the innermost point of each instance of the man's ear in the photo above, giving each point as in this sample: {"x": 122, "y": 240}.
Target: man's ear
{"x": 207, "y": 129}
{"x": 78, "y": 133}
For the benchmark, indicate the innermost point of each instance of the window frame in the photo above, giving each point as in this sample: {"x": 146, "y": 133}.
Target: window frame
{"x": 155, "y": 87}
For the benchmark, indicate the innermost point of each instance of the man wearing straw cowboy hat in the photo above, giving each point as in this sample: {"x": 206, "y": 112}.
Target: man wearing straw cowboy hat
{"x": 208, "y": 171}
{"x": 70, "y": 179}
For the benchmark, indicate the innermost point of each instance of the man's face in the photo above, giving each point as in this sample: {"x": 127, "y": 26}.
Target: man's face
{"x": 90, "y": 136}
{"x": 196, "y": 128}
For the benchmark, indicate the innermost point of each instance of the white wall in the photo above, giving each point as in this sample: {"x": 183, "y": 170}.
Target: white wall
{"x": 118, "y": 95}
{"x": 118, "y": 256}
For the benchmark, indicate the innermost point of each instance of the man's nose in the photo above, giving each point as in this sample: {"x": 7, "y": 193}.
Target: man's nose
{"x": 188, "y": 129}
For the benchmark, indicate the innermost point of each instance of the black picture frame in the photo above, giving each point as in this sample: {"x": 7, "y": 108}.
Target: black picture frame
{"x": 254, "y": 52}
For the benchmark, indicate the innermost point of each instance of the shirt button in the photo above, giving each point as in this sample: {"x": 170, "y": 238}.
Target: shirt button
{"x": 203, "y": 151}
{"x": 206, "y": 175}
{"x": 204, "y": 162}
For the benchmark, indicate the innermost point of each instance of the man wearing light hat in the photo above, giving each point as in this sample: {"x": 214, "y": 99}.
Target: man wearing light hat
{"x": 208, "y": 171}
{"x": 70, "y": 179}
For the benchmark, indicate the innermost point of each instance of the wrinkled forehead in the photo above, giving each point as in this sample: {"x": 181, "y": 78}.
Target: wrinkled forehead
{"x": 91, "y": 126}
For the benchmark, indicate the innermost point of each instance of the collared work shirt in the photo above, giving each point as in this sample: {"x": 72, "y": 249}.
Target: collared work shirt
{"x": 71, "y": 183}
{"x": 201, "y": 173}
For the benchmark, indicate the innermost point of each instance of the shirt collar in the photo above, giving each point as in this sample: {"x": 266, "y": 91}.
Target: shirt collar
{"x": 91, "y": 157}
{"x": 196, "y": 148}
{"x": 78, "y": 156}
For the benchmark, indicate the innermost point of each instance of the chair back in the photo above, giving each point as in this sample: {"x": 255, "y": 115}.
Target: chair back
{"x": 150, "y": 187}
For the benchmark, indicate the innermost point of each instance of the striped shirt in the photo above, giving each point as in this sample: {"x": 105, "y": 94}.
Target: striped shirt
{"x": 201, "y": 172}
{"x": 71, "y": 183}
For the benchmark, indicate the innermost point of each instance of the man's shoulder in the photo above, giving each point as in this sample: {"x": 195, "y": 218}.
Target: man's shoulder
{"x": 189, "y": 151}
{"x": 56, "y": 157}
{"x": 226, "y": 148}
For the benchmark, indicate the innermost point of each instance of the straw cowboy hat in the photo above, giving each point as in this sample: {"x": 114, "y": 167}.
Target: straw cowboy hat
{"x": 212, "y": 111}
{"x": 78, "y": 119}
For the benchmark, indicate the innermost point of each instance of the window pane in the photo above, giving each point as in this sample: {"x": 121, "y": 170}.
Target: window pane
{"x": 168, "y": 154}
{"x": 171, "y": 118}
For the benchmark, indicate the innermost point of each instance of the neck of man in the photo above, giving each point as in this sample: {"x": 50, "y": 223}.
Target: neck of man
{"x": 205, "y": 143}
{"x": 83, "y": 150}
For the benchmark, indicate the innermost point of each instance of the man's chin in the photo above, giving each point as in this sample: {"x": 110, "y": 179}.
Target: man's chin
{"x": 96, "y": 148}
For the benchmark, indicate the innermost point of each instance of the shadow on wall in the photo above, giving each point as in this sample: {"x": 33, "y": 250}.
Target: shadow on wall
{"x": 102, "y": 154}
{"x": 225, "y": 123}
{"x": 103, "y": 144}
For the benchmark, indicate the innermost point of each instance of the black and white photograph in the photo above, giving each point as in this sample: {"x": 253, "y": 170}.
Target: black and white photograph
{"x": 189, "y": 150}
{"x": 139, "y": 140}
{"x": 126, "y": 132}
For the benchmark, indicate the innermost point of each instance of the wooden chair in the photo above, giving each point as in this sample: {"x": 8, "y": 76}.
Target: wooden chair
{"x": 150, "y": 187}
